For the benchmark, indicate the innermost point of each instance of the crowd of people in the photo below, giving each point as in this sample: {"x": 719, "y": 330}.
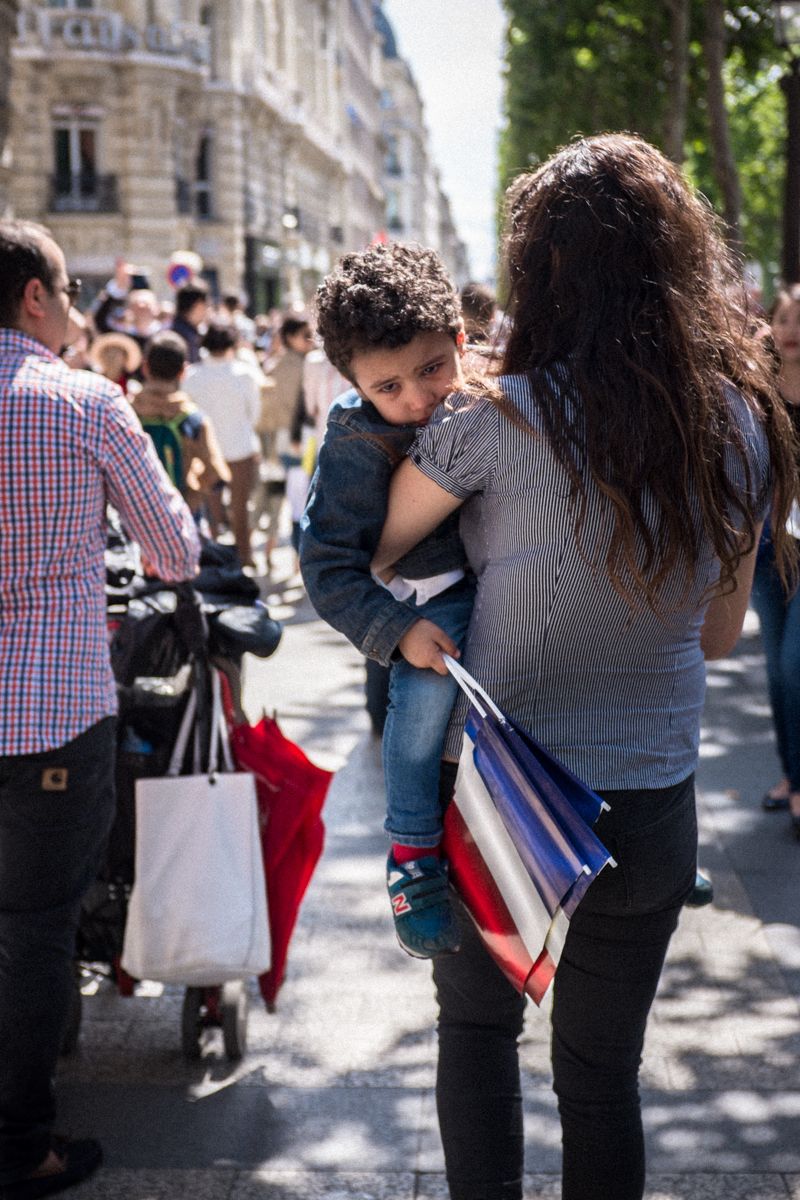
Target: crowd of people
{"x": 263, "y": 386}
{"x": 577, "y": 503}
{"x": 236, "y": 405}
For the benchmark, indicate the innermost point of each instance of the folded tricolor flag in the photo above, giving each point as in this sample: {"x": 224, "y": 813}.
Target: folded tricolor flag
{"x": 519, "y": 839}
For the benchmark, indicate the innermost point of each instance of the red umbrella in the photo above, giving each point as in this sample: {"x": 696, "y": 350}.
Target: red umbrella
{"x": 291, "y": 791}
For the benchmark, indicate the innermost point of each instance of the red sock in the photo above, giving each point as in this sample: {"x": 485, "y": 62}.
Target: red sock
{"x": 403, "y": 854}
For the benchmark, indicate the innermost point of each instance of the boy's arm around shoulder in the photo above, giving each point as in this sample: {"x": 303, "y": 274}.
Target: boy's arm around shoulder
{"x": 340, "y": 531}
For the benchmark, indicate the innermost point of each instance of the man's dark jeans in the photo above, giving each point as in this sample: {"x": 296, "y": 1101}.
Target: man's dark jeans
{"x": 604, "y": 987}
{"x": 56, "y": 810}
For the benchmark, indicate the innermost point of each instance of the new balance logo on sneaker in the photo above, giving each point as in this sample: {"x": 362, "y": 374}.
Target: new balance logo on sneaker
{"x": 400, "y": 904}
{"x": 423, "y": 917}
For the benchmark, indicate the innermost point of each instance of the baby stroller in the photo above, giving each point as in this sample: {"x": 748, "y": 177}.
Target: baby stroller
{"x": 166, "y": 641}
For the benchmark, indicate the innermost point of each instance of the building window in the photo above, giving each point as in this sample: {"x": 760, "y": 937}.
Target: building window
{"x": 393, "y": 218}
{"x": 75, "y": 157}
{"x": 70, "y": 3}
{"x": 181, "y": 156}
{"x": 77, "y": 185}
{"x": 392, "y": 161}
{"x": 207, "y": 23}
{"x": 203, "y": 182}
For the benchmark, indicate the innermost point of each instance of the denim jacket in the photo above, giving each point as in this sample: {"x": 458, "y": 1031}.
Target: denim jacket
{"x": 342, "y": 525}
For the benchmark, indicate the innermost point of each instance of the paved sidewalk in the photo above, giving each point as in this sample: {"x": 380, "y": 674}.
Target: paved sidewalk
{"x": 335, "y": 1096}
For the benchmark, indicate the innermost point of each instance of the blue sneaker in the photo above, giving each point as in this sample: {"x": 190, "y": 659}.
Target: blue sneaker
{"x": 423, "y": 917}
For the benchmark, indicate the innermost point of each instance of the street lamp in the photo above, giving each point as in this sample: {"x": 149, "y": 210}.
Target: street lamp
{"x": 786, "y": 14}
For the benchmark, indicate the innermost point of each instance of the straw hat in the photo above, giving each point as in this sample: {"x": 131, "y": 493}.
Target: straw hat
{"x": 115, "y": 341}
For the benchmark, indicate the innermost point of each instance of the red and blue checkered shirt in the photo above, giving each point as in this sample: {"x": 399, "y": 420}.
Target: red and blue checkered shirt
{"x": 69, "y": 443}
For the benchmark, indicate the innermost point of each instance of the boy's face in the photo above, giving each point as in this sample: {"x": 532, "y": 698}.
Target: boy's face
{"x": 406, "y": 384}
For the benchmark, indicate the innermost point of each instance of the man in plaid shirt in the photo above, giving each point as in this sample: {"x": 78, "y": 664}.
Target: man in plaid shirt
{"x": 69, "y": 442}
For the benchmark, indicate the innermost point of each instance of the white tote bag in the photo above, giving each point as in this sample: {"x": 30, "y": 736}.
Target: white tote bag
{"x": 198, "y": 908}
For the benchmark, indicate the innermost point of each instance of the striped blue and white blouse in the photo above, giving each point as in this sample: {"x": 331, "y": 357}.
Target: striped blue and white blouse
{"x": 615, "y": 693}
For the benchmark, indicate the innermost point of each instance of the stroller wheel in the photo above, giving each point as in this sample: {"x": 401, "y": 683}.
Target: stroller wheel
{"x": 192, "y": 1022}
{"x": 72, "y": 1029}
{"x": 234, "y": 1007}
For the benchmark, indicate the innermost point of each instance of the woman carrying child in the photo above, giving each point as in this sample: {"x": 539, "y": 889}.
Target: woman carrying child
{"x": 611, "y": 498}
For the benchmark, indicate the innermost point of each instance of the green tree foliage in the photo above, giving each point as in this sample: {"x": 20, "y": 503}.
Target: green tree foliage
{"x": 584, "y": 66}
{"x": 758, "y": 119}
{"x": 578, "y": 66}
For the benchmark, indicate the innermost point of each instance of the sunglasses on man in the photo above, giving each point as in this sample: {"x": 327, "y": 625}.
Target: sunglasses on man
{"x": 72, "y": 289}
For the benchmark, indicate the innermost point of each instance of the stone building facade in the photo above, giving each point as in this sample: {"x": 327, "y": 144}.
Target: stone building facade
{"x": 249, "y": 131}
{"x": 8, "y": 14}
{"x": 417, "y": 209}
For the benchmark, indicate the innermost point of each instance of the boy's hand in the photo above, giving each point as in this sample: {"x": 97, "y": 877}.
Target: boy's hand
{"x": 424, "y": 644}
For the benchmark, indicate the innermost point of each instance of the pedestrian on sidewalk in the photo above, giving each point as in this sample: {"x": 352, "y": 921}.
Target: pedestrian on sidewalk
{"x": 183, "y": 436}
{"x": 191, "y": 314}
{"x": 283, "y": 418}
{"x": 127, "y": 305}
{"x": 779, "y": 613}
{"x": 226, "y": 390}
{"x": 69, "y": 443}
{"x": 613, "y": 495}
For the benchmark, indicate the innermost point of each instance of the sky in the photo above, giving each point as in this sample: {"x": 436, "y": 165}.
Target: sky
{"x": 454, "y": 49}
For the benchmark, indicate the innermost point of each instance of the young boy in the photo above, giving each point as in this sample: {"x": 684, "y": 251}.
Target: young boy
{"x": 390, "y": 323}
{"x": 184, "y": 438}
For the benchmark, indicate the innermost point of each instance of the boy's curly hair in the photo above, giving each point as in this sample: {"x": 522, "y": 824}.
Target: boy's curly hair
{"x": 383, "y": 297}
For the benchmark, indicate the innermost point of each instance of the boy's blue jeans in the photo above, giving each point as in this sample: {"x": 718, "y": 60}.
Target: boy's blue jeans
{"x": 420, "y": 703}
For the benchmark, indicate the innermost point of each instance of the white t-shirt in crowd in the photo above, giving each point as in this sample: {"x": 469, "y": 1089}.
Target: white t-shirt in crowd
{"x": 229, "y": 395}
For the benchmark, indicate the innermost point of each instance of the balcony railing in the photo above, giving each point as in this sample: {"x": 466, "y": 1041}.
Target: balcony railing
{"x": 62, "y": 30}
{"x": 83, "y": 193}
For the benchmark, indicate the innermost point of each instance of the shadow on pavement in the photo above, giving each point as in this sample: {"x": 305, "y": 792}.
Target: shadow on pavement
{"x": 335, "y": 1097}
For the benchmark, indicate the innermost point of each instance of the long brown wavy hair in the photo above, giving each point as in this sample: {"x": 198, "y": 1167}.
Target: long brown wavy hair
{"x": 617, "y": 269}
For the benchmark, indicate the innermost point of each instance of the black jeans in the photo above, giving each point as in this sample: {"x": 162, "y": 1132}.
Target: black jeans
{"x": 604, "y": 987}
{"x": 56, "y": 810}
